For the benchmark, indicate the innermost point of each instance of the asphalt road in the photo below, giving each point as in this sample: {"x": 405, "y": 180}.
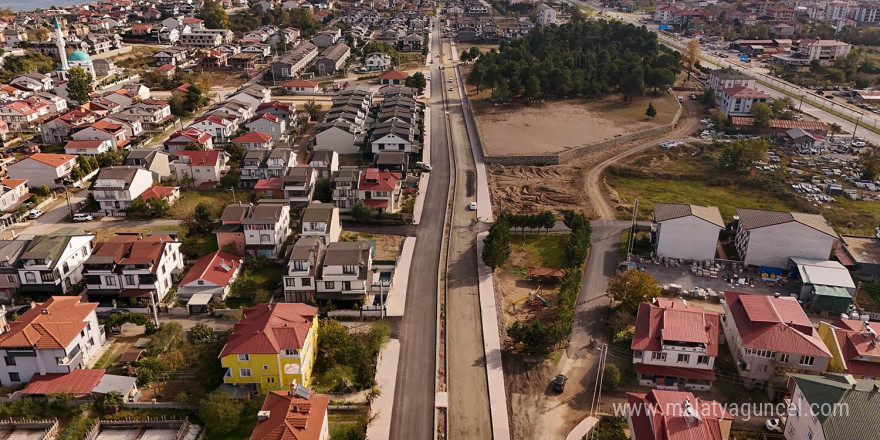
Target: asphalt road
{"x": 413, "y": 414}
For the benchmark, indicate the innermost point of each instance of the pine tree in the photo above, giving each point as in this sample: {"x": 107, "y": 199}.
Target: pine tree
{"x": 496, "y": 246}
{"x": 651, "y": 111}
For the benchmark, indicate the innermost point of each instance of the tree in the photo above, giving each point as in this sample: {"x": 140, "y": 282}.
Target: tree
{"x": 200, "y": 332}
{"x": 780, "y": 106}
{"x": 651, "y": 112}
{"x": 532, "y": 88}
{"x": 761, "y": 114}
{"x": 244, "y": 286}
{"x": 109, "y": 403}
{"x": 631, "y": 287}
{"x": 222, "y": 410}
{"x": 496, "y": 245}
{"x": 611, "y": 377}
{"x": 177, "y": 105}
{"x": 740, "y": 154}
{"x": 835, "y": 128}
{"x": 578, "y": 15}
{"x": 869, "y": 164}
{"x": 203, "y": 218}
{"x": 633, "y": 84}
{"x": 193, "y": 100}
{"x": 312, "y": 108}
{"x": 214, "y": 15}
{"x": 691, "y": 56}
{"x": 79, "y": 84}
{"x": 322, "y": 190}
{"x": 42, "y": 34}
{"x": 708, "y": 98}
{"x": 231, "y": 179}
{"x": 501, "y": 91}
{"x": 475, "y": 52}
{"x": 417, "y": 81}
{"x": 360, "y": 213}
{"x": 84, "y": 164}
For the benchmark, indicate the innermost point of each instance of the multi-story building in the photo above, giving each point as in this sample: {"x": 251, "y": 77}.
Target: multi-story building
{"x": 13, "y": 192}
{"x": 853, "y": 346}
{"x": 294, "y": 62}
{"x": 688, "y": 232}
{"x": 738, "y": 101}
{"x": 202, "y": 168}
{"x": 546, "y": 15}
{"x": 52, "y": 263}
{"x": 115, "y": 188}
{"x": 302, "y": 269}
{"x": 210, "y": 274}
{"x": 345, "y": 274}
{"x": 265, "y": 164}
{"x": 220, "y": 129}
{"x": 673, "y": 415}
{"x": 255, "y": 229}
{"x": 345, "y": 188}
{"x": 299, "y": 184}
{"x": 180, "y": 139}
{"x": 56, "y": 336}
{"x": 287, "y": 414}
{"x": 333, "y": 59}
{"x": 379, "y": 190}
{"x": 766, "y": 334}
{"x": 831, "y": 407}
{"x": 321, "y": 220}
{"x": 770, "y": 238}
{"x": 675, "y": 345}
{"x": 271, "y": 346}
{"x": 39, "y": 169}
{"x": 129, "y": 266}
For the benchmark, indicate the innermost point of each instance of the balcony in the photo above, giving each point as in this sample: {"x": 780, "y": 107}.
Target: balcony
{"x": 72, "y": 361}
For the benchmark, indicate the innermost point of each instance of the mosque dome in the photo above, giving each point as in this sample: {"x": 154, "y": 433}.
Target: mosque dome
{"x": 78, "y": 55}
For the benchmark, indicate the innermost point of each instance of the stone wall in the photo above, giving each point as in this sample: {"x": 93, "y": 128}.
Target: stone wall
{"x": 574, "y": 153}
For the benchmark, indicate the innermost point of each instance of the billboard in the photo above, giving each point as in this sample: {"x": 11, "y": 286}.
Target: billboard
{"x": 665, "y": 27}
{"x": 744, "y": 58}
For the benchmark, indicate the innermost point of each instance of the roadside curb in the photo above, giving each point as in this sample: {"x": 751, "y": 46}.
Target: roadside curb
{"x": 396, "y": 303}
{"x": 386, "y": 380}
{"x": 492, "y": 348}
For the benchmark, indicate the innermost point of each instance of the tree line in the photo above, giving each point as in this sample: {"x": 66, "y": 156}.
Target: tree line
{"x": 590, "y": 59}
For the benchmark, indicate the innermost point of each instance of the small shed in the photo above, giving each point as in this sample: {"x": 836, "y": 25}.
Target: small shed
{"x": 131, "y": 355}
{"x": 799, "y": 138}
{"x": 827, "y": 285}
{"x": 198, "y": 304}
{"x": 546, "y": 274}
{"x": 124, "y": 385}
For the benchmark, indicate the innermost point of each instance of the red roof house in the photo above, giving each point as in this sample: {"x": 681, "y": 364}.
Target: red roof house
{"x": 292, "y": 417}
{"x": 268, "y": 328}
{"x": 379, "y": 189}
{"x": 212, "y": 274}
{"x": 393, "y": 77}
{"x": 676, "y": 415}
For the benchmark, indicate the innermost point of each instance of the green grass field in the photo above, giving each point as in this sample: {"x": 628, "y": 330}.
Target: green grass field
{"x": 542, "y": 250}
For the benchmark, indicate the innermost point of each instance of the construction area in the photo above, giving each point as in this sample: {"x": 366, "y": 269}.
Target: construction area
{"x": 28, "y": 429}
{"x": 152, "y": 429}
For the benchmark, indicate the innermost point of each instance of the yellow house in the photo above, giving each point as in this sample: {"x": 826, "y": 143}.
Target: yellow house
{"x": 272, "y": 346}
{"x": 854, "y": 347}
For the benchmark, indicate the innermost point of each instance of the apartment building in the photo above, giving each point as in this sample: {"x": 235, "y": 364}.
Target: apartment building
{"x": 129, "y": 266}
{"x": 115, "y": 188}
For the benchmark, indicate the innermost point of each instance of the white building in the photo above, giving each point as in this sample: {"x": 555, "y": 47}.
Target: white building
{"x": 52, "y": 263}
{"x": 377, "y": 61}
{"x": 266, "y": 227}
{"x": 43, "y": 169}
{"x": 130, "y": 266}
{"x": 88, "y": 148}
{"x": 849, "y": 415}
{"x": 739, "y": 100}
{"x": 116, "y": 187}
{"x": 220, "y": 129}
{"x": 56, "y": 336}
{"x": 299, "y": 184}
{"x": 321, "y": 220}
{"x": 675, "y": 345}
{"x": 546, "y": 15}
{"x": 687, "y": 232}
{"x": 211, "y": 274}
{"x": 345, "y": 273}
{"x": 301, "y": 271}
{"x": 202, "y": 167}
{"x": 770, "y": 238}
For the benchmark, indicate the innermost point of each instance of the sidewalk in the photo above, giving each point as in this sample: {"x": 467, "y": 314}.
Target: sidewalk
{"x": 492, "y": 348}
{"x": 582, "y": 428}
{"x": 425, "y": 177}
{"x": 397, "y": 296}
{"x": 386, "y": 379}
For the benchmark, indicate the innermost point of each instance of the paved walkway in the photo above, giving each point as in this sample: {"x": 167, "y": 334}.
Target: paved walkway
{"x": 386, "y": 379}
{"x": 492, "y": 347}
{"x": 397, "y": 297}
{"x": 582, "y": 428}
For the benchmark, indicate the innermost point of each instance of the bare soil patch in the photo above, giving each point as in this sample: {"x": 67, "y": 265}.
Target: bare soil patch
{"x": 530, "y": 188}
{"x": 387, "y": 246}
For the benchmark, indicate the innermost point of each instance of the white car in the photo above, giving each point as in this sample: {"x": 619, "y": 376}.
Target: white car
{"x": 35, "y": 214}
{"x": 449, "y": 80}
{"x": 773, "y": 425}
{"x": 450, "y": 89}
{"x": 472, "y": 206}
{"x": 858, "y": 144}
{"x": 82, "y": 217}
{"x": 704, "y": 121}
{"x": 428, "y": 78}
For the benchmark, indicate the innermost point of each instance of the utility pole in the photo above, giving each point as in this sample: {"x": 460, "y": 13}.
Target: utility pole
{"x": 632, "y": 231}
{"x": 857, "y": 126}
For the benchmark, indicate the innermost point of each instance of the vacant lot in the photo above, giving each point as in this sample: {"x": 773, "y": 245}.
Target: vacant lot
{"x": 387, "y": 246}
{"x": 514, "y": 285}
{"x": 556, "y": 126}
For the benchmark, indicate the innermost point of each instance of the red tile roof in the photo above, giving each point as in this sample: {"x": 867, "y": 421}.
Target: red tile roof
{"x": 89, "y": 145}
{"x": 271, "y": 183}
{"x": 200, "y": 158}
{"x": 292, "y": 417}
{"x": 267, "y": 116}
{"x": 394, "y": 74}
{"x": 76, "y": 382}
{"x": 158, "y": 192}
{"x": 776, "y": 324}
{"x": 674, "y": 321}
{"x": 55, "y": 160}
{"x": 661, "y": 415}
{"x": 166, "y": 68}
{"x": 13, "y": 183}
{"x": 270, "y": 328}
{"x": 253, "y": 137}
{"x": 108, "y": 126}
{"x": 213, "y": 119}
{"x": 855, "y": 342}
{"x": 191, "y": 134}
{"x": 21, "y": 107}
{"x": 376, "y": 203}
{"x": 210, "y": 268}
{"x": 301, "y": 83}
{"x": 49, "y": 325}
{"x": 374, "y": 180}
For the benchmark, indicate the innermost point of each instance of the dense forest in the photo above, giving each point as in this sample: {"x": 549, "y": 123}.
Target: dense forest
{"x": 590, "y": 59}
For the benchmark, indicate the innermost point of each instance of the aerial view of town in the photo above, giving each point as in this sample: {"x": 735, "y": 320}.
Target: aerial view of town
{"x": 432, "y": 220}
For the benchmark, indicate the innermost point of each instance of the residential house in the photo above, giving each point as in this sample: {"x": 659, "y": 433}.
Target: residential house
{"x": 41, "y": 169}
{"x": 687, "y": 232}
{"x": 721, "y": 79}
{"x": 392, "y": 161}
{"x": 151, "y": 160}
{"x": 283, "y": 110}
{"x": 115, "y": 188}
{"x": 202, "y": 38}
{"x": 88, "y": 148}
{"x": 264, "y": 164}
{"x": 673, "y": 415}
{"x": 321, "y": 220}
{"x": 853, "y": 346}
{"x": 807, "y": 50}
{"x": 379, "y": 190}
{"x": 345, "y": 274}
{"x": 204, "y": 168}
{"x": 545, "y": 16}
{"x": 377, "y": 61}
{"x": 59, "y": 128}
{"x": 229, "y": 230}
{"x": 393, "y": 77}
{"x": 19, "y": 116}
{"x": 286, "y": 414}
{"x": 10, "y": 251}
{"x": 265, "y": 226}
{"x": 269, "y": 124}
{"x": 33, "y": 81}
{"x": 171, "y": 55}
{"x": 254, "y": 140}
{"x": 299, "y": 184}
{"x": 302, "y": 268}
{"x": 675, "y": 345}
{"x": 831, "y": 407}
{"x": 339, "y": 135}
{"x": 13, "y": 192}
{"x": 333, "y": 59}
{"x": 105, "y": 129}
{"x": 212, "y": 275}
{"x": 301, "y": 86}
{"x": 392, "y": 136}
{"x": 150, "y": 113}
{"x": 327, "y": 38}
{"x": 345, "y": 188}
{"x": 766, "y": 334}
{"x": 129, "y": 266}
{"x": 272, "y": 345}
{"x": 219, "y": 128}
{"x": 180, "y": 139}
{"x": 325, "y": 162}
{"x": 52, "y": 337}
{"x": 764, "y": 238}
{"x": 738, "y": 101}
{"x": 294, "y": 62}
{"x": 52, "y": 263}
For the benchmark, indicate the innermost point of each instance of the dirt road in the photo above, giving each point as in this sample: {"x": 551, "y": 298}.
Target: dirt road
{"x": 594, "y": 184}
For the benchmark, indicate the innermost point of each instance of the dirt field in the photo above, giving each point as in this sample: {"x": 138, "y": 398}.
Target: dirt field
{"x": 530, "y": 189}
{"x": 557, "y": 126}
{"x": 387, "y": 246}
{"x": 514, "y": 285}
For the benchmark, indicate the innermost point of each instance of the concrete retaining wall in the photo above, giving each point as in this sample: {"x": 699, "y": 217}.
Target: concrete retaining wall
{"x": 574, "y": 153}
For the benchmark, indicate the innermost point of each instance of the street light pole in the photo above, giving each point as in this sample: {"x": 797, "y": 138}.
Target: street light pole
{"x": 857, "y": 126}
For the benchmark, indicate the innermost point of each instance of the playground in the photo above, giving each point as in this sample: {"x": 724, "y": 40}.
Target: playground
{"x": 527, "y": 282}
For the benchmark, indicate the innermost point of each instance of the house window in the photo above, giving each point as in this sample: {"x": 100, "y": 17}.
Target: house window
{"x": 265, "y": 367}
{"x": 10, "y": 278}
{"x": 290, "y": 352}
{"x": 307, "y": 282}
{"x": 807, "y": 360}
{"x": 783, "y": 358}
{"x": 244, "y": 357}
{"x": 10, "y": 360}
{"x": 684, "y": 358}
{"x": 110, "y": 280}
{"x": 658, "y": 356}
{"x": 346, "y": 285}
{"x": 703, "y": 360}
{"x": 348, "y": 270}
{"x": 328, "y": 285}
{"x": 200, "y": 282}
{"x": 244, "y": 372}
{"x": 298, "y": 265}
{"x": 29, "y": 277}
{"x": 14, "y": 377}
{"x": 130, "y": 279}
{"x": 270, "y": 380}
{"x": 288, "y": 282}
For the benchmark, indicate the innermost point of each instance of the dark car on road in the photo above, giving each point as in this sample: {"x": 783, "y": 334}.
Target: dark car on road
{"x": 559, "y": 383}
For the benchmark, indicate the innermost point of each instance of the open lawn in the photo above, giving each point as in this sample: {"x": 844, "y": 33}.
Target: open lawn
{"x": 560, "y": 125}
{"x": 190, "y": 198}
{"x": 387, "y": 246}
{"x": 341, "y": 423}
{"x": 513, "y": 277}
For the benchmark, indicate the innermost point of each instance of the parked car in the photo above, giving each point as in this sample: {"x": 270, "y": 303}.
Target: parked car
{"x": 472, "y": 206}
{"x": 82, "y": 217}
{"x": 559, "y": 383}
{"x": 111, "y": 312}
{"x": 449, "y": 80}
{"x": 450, "y": 89}
{"x": 773, "y": 425}
{"x": 858, "y": 144}
{"x": 35, "y": 214}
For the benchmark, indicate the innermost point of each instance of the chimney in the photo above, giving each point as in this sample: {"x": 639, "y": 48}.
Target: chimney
{"x": 263, "y": 415}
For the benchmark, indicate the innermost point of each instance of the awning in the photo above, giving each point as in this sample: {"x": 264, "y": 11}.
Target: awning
{"x": 684, "y": 373}
{"x": 135, "y": 293}
{"x": 200, "y": 299}
{"x": 843, "y": 256}
{"x": 834, "y": 291}
{"x": 373, "y": 203}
